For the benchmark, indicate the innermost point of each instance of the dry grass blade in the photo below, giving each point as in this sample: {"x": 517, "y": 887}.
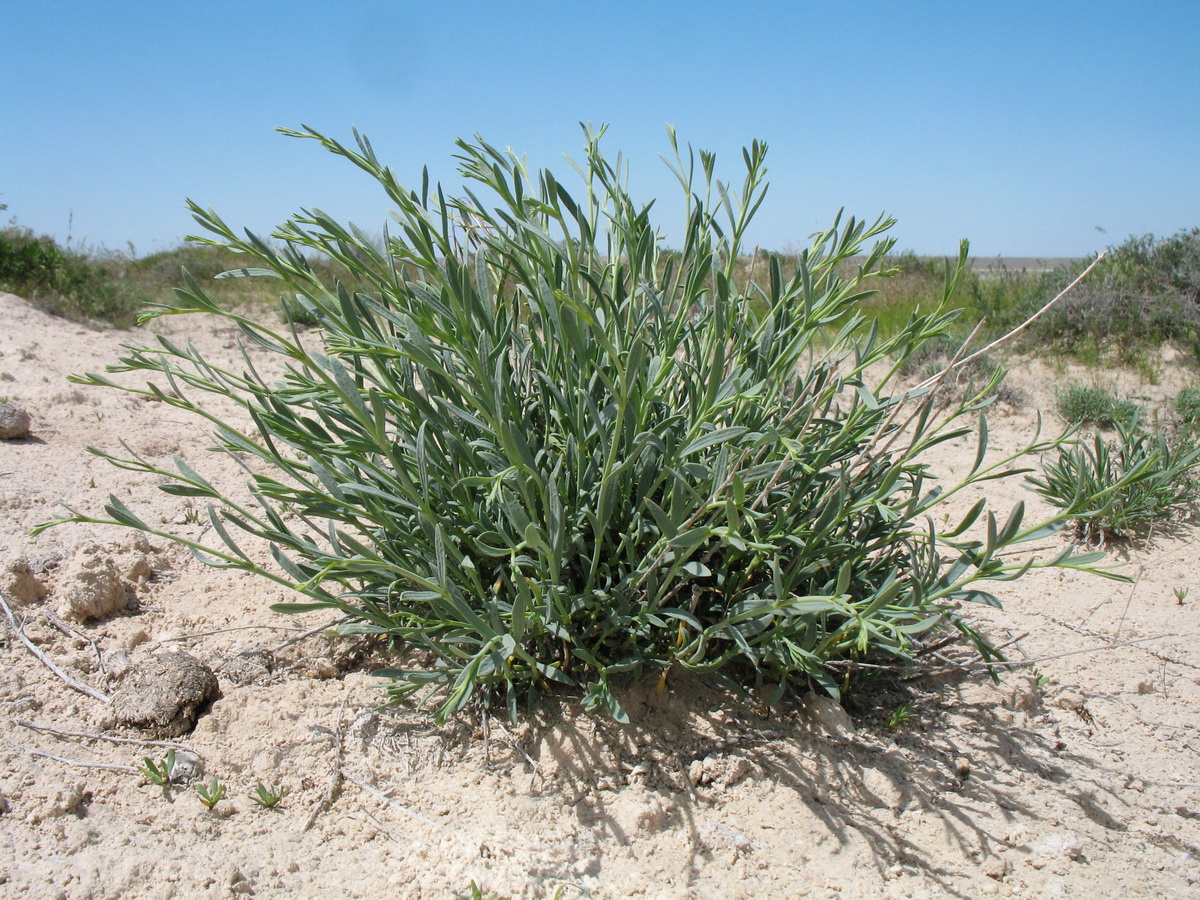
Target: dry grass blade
{"x": 1014, "y": 332}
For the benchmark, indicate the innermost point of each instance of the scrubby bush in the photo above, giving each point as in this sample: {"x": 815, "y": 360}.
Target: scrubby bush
{"x": 71, "y": 284}
{"x": 1082, "y": 404}
{"x": 549, "y": 457}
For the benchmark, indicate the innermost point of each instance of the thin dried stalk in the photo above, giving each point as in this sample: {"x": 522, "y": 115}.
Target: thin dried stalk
{"x": 49, "y": 663}
{"x": 1037, "y": 315}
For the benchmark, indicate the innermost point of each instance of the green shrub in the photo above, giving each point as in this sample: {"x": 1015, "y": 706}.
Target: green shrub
{"x": 1080, "y": 404}
{"x": 27, "y": 261}
{"x": 1121, "y": 488}
{"x": 546, "y": 456}
{"x": 75, "y": 285}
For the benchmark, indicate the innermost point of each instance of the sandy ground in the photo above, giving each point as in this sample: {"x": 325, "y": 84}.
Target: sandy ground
{"x": 1080, "y": 783}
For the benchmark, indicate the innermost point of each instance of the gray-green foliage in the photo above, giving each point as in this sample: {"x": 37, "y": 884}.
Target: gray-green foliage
{"x": 554, "y": 458}
{"x": 1121, "y": 488}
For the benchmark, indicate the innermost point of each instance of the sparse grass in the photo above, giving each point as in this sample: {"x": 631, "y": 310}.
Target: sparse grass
{"x": 210, "y": 794}
{"x": 268, "y": 796}
{"x": 901, "y": 715}
{"x": 159, "y": 773}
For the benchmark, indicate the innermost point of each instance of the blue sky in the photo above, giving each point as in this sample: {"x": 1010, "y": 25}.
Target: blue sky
{"x": 1024, "y": 126}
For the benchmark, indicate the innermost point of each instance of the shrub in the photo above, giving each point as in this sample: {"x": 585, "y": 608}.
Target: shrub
{"x": 66, "y": 283}
{"x": 546, "y": 456}
{"x": 27, "y": 261}
{"x": 1080, "y": 404}
{"x": 1121, "y": 488}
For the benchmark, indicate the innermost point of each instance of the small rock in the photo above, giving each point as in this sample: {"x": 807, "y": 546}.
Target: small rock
{"x": 4, "y": 807}
{"x": 827, "y": 715}
{"x": 116, "y": 663}
{"x": 962, "y": 768}
{"x": 163, "y": 694}
{"x": 14, "y": 422}
{"x": 996, "y": 868}
{"x": 92, "y": 587}
{"x": 19, "y": 584}
{"x": 188, "y": 767}
{"x": 252, "y": 666}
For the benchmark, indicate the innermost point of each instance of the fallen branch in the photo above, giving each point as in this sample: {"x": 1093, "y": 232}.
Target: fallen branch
{"x": 47, "y": 662}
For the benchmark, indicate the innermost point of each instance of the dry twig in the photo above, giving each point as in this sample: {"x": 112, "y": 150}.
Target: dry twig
{"x": 49, "y": 663}
{"x": 309, "y": 633}
{"x": 1081, "y": 629}
{"x": 958, "y": 364}
{"x": 71, "y": 735}
{"x": 335, "y": 778}
{"x": 111, "y": 767}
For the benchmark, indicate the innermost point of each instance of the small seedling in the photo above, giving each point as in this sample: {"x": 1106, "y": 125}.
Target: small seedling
{"x": 159, "y": 773}
{"x": 1039, "y": 679}
{"x": 268, "y": 796}
{"x": 475, "y": 892}
{"x": 1181, "y": 594}
{"x": 211, "y": 793}
{"x": 901, "y": 714}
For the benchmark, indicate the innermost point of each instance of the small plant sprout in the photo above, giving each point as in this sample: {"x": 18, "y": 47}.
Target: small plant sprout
{"x": 1181, "y": 594}
{"x": 211, "y": 793}
{"x": 268, "y": 796}
{"x": 901, "y": 714}
{"x": 159, "y": 773}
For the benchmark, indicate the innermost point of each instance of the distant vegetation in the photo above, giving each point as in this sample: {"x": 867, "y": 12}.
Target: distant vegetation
{"x": 1147, "y": 291}
{"x": 94, "y": 285}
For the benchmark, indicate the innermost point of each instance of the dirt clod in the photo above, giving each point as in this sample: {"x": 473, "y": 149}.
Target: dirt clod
{"x": 163, "y": 694}
{"x": 91, "y": 587}
{"x": 18, "y": 582}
